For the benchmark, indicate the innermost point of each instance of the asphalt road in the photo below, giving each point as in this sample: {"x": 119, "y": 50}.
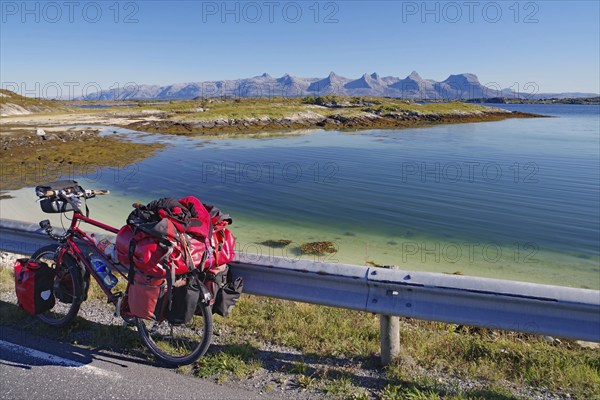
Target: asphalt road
{"x": 37, "y": 368}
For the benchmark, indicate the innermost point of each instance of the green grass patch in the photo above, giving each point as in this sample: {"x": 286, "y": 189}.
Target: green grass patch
{"x": 501, "y": 356}
{"x": 29, "y": 103}
{"x": 236, "y": 360}
{"x": 313, "y": 329}
{"x": 339, "y": 388}
{"x": 7, "y": 278}
{"x": 415, "y": 392}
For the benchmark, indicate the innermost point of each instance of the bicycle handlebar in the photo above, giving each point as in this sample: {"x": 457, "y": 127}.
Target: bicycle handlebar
{"x": 87, "y": 193}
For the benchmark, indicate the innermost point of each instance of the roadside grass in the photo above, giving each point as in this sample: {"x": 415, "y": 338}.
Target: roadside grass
{"x": 410, "y": 392}
{"x": 502, "y": 360}
{"x": 312, "y": 329}
{"x": 496, "y": 356}
{"x": 233, "y": 361}
{"x": 7, "y": 278}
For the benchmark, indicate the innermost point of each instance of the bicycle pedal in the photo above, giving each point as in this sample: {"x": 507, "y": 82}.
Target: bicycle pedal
{"x": 128, "y": 321}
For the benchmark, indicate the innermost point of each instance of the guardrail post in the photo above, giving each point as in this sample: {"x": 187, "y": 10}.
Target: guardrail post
{"x": 389, "y": 332}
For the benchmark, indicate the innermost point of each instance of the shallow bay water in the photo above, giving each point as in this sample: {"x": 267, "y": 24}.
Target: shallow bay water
{"x": 516, "y": 199}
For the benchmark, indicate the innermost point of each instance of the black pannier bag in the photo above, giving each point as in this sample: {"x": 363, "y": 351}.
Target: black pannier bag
{"x": 184, "y": 300}
{"x": 227, "y": 297}
{"x": 225, "y": 292}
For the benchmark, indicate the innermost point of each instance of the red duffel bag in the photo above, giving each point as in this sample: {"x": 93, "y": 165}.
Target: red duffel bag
{"x": 148, "y": 253}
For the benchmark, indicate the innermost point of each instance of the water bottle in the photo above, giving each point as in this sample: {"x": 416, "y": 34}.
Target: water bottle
{"x": 103, "y": 271}
{"x": 107, "y": 247}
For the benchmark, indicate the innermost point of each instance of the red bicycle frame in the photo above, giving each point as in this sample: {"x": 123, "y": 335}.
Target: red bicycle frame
{"x": 71, "y": 247}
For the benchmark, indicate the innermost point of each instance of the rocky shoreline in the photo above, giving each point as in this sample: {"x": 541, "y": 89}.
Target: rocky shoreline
{"x": 28, "y": 158}
{"x": 27, "y": 138}
{"x": 314, "y": 120}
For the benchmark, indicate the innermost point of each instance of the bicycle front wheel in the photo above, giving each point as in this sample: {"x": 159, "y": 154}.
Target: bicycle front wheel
{"x": 178, "y": 344}
{"x": 67, "y": 287}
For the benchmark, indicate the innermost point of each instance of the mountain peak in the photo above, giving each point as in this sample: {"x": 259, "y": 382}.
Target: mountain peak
{"x": 415, "y": 76}
{"x": 466, "y": 78}
{"x": 366, "y": 81}
{"x": 375, "y": 76}
{"x": 287, "y": 79}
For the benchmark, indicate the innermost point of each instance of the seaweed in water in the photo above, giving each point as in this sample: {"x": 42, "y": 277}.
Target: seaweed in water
{"x": 319, "y": 248}
{"x": 276, "y": 243}
{"x": 374, "y": 264}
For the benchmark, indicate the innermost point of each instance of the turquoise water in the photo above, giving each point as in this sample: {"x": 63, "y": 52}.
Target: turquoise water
{"x": 516, "y": 199}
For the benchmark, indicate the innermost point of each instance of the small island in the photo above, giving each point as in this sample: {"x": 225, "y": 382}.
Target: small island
{"x": 73, "y": 150}
{"x": 331, "y": 112}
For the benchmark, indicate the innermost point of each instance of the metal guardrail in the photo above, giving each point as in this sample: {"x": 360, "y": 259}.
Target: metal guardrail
{"x": 492, "y": 303}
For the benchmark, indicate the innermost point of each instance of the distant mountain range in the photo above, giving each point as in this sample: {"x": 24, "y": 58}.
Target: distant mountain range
{"x": 461, "y": 86}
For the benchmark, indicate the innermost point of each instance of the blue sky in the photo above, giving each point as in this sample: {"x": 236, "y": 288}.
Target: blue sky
{"x": 554, "y": 44}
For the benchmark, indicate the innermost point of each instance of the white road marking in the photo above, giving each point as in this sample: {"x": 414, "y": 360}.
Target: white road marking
{"x": 52, "y": 359}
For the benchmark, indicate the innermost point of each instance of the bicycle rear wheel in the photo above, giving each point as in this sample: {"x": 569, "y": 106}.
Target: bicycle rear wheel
{"x": 67, "y": 287}
{"x": 178, "y": 344}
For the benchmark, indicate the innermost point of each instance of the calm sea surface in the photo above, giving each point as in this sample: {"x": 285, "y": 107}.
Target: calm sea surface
{"x": 515, "y": 199}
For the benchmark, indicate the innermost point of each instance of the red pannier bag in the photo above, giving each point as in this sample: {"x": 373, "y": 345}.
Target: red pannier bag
{"x": 224, "y": 245}
{"x": 145, "y": 298}
{"x": 148, "y": 253}
{"x": 34, "y": 283}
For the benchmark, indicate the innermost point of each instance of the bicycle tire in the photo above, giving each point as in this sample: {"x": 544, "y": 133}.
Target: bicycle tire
{"x": 159, "y": 338}
{"x": 68, "y": 280}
